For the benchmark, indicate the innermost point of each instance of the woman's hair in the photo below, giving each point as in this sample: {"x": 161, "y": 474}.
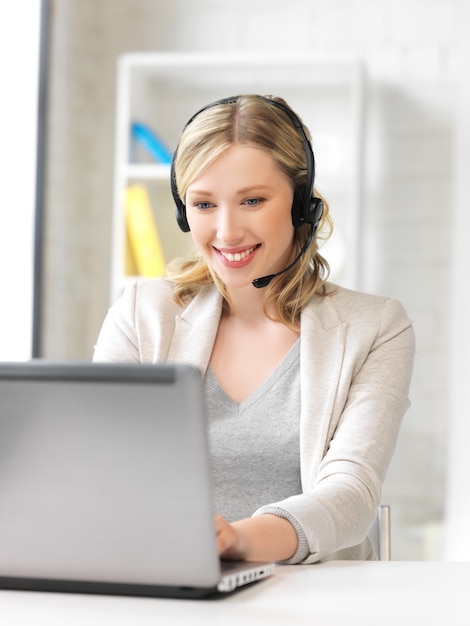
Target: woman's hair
{"x": 253, "y": 121}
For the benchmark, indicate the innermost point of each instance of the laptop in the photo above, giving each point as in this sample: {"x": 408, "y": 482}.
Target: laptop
{"x": 105, "y": 482}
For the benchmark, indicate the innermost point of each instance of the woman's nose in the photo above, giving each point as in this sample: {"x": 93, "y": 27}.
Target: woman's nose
{"x": 229, "y": 227}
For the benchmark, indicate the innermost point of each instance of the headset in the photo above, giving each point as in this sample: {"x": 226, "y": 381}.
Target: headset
{"x": 306, "y": 208}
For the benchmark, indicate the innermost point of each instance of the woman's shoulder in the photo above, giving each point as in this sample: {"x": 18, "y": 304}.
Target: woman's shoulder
{"x": 146, "y": 293}
{"x": 349, "y": 305}
{"x": 348, "y": 297}
{"x": 153, "y": 289}
{"x": 154, "y": 296}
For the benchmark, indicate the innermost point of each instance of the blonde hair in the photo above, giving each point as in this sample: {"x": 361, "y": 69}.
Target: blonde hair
{"x": 254, "y": 121}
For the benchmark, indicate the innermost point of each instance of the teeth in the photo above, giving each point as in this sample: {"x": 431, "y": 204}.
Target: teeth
{"x": 238, "y": 256}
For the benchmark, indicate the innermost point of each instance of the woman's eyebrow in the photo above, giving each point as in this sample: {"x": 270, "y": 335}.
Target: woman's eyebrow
{"x": 204, "y": 192}
{"x": 254, "y": 188}
{"x": 243, "y": 190}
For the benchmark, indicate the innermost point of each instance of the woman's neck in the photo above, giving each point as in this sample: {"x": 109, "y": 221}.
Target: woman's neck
{"x": 250, "y": 304}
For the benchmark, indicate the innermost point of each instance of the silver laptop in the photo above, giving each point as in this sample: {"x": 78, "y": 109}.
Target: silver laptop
{"x": 105, "y": 482}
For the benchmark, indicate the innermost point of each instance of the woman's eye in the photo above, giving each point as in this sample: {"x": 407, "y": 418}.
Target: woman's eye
{"x": 253, "y": 201}
{"x": 203, "y": 205}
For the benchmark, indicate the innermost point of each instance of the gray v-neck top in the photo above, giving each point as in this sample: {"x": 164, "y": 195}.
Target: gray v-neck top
{"x": 255, "y": 444}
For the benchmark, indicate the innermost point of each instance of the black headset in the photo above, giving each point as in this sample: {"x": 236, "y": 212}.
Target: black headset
{"x": 306, "y": 208}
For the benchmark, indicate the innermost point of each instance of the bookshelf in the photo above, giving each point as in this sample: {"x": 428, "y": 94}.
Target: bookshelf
{"x": 162, "y": 90}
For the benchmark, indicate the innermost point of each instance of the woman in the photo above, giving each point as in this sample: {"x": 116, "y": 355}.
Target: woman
{"x": 306, "y": 382}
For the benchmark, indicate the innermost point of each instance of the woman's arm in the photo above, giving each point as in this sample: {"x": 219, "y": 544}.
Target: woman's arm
{"x": 263, "y": 538}
{"x": 341, "y": 493}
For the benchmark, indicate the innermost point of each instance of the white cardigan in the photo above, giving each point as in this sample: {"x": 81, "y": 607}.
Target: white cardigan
{"x": 356, "y": 361}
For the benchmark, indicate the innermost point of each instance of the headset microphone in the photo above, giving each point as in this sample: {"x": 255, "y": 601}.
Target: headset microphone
{"x": 264, "y": 281}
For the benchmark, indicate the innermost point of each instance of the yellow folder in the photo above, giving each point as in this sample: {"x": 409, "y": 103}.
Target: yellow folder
{"x": 144, "y": 247}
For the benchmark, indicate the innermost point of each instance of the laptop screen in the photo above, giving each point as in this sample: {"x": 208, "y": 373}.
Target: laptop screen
{"x": 104, "y": 474}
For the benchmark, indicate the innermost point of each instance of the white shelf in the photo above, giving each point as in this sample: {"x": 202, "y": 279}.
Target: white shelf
{"x": 163, "y": 90}
{"x": 146, "y": 171}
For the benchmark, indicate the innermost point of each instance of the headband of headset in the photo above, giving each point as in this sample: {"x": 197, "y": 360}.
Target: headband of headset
{"x": 306, "y": 209}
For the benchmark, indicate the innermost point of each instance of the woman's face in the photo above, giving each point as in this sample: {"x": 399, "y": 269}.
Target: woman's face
{"x": 239, "y": 212}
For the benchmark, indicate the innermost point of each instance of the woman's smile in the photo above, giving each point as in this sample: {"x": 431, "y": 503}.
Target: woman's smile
{"x": 237, "y": 257}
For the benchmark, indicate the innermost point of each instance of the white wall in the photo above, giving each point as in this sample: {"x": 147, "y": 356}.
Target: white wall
{"x": 19, "y": 65}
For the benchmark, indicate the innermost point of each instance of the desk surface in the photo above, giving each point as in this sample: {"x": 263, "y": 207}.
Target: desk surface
{"x": 336, "y": 593}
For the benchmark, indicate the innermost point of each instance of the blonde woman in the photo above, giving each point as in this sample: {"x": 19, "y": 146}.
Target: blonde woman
{"x": 306, "y": 382}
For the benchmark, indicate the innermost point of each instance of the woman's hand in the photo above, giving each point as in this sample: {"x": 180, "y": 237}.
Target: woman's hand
{"x": 229, "y": 540}
{"x": 261, "y": 538}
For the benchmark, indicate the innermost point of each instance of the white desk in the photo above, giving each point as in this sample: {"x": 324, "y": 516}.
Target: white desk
{"x": 341, "y": 593}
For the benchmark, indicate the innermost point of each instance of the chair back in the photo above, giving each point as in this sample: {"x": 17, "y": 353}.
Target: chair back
{"x": 380, "y": 532}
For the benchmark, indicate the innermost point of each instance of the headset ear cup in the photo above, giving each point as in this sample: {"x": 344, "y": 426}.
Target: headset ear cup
{"x": 312, "y": 214}
{"x": 181, "y": 217}
{"x": 297, "y": 210}
{"x": 180, "y": 206}
{"x": 315, "y": 210}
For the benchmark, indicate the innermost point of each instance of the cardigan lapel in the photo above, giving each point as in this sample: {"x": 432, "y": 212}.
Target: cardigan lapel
{"x": 196, "y": 330}
{"x": 321, "y": 357}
